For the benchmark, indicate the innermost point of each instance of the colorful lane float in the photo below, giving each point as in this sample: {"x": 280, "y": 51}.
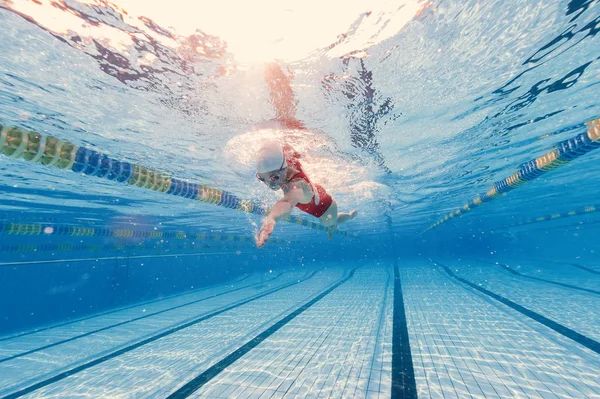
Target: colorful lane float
{"x": 564, "y": 152}
{"x": 18, "y": 143}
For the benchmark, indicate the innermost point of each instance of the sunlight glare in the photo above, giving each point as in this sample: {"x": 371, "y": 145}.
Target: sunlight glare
{"x": 255, "y": 31}
{"x": 264, "y": 30}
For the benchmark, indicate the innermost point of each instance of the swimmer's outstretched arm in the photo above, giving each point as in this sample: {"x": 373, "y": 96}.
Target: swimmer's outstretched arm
{"x": 282, "y": 208}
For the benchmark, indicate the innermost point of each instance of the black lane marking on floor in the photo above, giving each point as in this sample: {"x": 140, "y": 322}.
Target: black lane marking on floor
{"x": 64, "y": 341}
{"x": 516, "y": 273}
{"x": 587, "y": 269}
{"x": 129, "y": 348}
{"x": 577, "y": 265}
{"x": 559, "y": 328}
{"x": 121, "y": 309}
{"x": 404, "y": 385}
{"x": 381, "y": 326}
{"x": 197, "y": 383}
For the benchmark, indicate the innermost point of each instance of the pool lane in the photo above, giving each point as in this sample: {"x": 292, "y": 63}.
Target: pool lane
{"x": 546, "y": 275}
{"x": 60, "y": 336}
{"x": 31, "y": 340}
{"x": 39, "y": 330}
{"x": 464, "y": 344}
{"x": 587, "y": 268}
{"x": 555, "y": 271}
{"x": 575, "y": 310}
{"x": 39, "y": 367}
{"x": 334, "y": 349}
{"x": 559, "y": 328}
{"x": 584, "y": 265}
{"x": 331, "y": 336}
{"x": 162, "y": 363}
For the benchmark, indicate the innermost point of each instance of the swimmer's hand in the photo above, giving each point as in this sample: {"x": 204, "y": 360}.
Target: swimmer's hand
{"x": 265, "y": 231}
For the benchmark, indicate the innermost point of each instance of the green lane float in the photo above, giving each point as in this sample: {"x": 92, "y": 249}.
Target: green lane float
{"x": 31, "y": 146}
{"x": 586, "y": 210}
{"x": 65, "y": 248}
{"x": 51, "y": 229}
{"x": 564, "y": 152}
{"x": 122, "y": 238}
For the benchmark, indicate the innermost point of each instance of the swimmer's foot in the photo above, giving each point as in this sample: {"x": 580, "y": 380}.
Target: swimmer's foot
{"x": 353, "y": 214}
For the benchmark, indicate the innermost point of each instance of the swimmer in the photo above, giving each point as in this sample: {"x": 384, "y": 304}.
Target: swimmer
{"x": 279, "y": 168}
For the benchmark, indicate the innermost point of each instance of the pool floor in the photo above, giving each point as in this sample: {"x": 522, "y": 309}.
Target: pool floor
{"x": 465, "y": 330}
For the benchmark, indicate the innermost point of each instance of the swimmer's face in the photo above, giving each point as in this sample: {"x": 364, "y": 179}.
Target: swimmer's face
{"x": 275, "y": 178}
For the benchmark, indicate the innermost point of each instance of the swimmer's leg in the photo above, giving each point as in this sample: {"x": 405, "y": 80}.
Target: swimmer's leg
{"x": 331, "y": 219}
{"x": 344, "y": 217}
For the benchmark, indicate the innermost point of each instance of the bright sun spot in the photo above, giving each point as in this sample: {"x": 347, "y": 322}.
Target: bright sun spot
{"x": 263, "y": 30}
{"x": 255, "y": 31}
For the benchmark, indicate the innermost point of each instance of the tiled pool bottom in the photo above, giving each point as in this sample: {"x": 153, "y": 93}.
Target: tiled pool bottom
{"x": 339, "y": 333}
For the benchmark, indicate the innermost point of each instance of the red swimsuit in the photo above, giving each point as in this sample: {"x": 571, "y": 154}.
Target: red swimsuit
{"x": 325, "y": 199}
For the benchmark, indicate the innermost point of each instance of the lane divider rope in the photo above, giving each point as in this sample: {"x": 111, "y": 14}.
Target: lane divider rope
{"x": 96, "y": 259}
{"x": 143, "y": 246}
{"x": 546, "y": 218}
{"x": 54, "y": 229}
{"x": 18, "y": 143}
{"x": 564, "y": 152}
{"x": 126, "y": 239}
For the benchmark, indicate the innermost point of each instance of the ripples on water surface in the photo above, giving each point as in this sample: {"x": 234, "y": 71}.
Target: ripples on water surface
{"x": 413, "y": 111}
{"x": 413, "y": 108}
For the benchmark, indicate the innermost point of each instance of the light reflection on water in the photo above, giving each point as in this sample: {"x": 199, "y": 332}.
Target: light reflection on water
{"x": 435, "y": 113}
{"x": 409, "y": 113}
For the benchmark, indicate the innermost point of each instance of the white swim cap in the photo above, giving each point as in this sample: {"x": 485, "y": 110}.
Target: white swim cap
{"x": 270, "y": 157}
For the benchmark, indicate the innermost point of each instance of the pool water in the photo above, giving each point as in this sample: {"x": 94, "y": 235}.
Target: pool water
{"x": 464, "y": 133}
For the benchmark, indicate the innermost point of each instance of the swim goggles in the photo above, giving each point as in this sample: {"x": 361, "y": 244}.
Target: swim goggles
{"x": 274, "y": 180}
